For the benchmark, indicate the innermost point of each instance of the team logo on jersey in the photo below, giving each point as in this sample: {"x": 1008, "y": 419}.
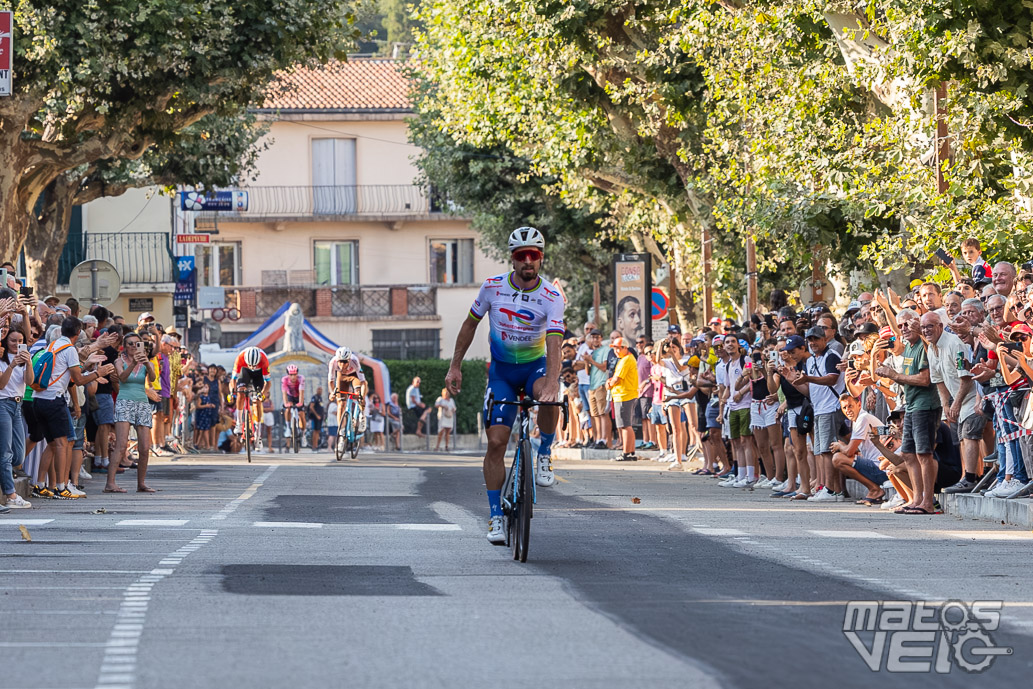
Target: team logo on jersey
{"x": 549, "y": 292}
{"x": 493, "y": 281}
{"x": 523, "y": 316}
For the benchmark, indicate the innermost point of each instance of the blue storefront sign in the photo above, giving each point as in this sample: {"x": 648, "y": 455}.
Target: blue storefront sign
{"x": 235, "y": 201}
{"x": 186, "y": 283}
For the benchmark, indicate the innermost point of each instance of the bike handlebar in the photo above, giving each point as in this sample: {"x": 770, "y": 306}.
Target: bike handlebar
{"x": 526, "y": 404}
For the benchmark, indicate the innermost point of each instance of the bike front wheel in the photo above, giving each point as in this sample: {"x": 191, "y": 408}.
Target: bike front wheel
{"x": 520, "y": 519}
{"x": 338, "y": 445}
{"x": 248, "y": 437}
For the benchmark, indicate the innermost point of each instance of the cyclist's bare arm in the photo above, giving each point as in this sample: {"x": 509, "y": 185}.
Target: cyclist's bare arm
{"x": 454, "y": 378}
{"x": 551, "y": 388}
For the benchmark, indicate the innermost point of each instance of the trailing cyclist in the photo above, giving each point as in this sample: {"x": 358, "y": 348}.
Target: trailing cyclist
{"x": 525, "y": 320}
{"x": 250, "y": 370}
{"x": 345, "y": 375}
{"x": 292, "y": 386}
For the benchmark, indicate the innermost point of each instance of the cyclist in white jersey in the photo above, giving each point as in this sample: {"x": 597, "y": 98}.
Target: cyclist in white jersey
{"x": 525, "y": 318}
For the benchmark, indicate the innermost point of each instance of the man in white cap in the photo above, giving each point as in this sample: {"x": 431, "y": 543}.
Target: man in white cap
{"x": 145, "y": 317}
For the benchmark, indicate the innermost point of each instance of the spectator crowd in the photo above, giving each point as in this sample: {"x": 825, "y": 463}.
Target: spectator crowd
{"x": 924, "y": 392}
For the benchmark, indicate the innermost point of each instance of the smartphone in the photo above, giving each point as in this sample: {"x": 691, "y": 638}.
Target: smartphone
{"x": 25, "y": 291}
{"x": 23, "y": 348}
{"x": 944, "y": 256}
{"x": 884, "y": 430}
{"x": 3, "y": 277}
{"x": 851, "y": 364}
{"x": 773, "y": 357}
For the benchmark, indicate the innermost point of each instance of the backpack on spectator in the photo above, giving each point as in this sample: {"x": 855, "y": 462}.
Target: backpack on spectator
{"x": 43, "y": 367}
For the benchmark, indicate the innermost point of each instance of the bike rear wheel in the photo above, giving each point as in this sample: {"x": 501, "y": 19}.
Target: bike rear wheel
{"x": 295, "y": 434}
{"x": 353, "y": 436}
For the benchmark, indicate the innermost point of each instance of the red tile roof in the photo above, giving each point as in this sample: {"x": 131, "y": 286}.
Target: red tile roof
{"x": 358, "y": 85}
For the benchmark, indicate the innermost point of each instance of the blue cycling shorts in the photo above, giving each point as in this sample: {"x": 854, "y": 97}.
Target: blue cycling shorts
{"x": 505, "y": 382}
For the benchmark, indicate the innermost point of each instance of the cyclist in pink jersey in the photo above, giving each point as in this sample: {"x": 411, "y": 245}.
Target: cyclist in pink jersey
{"x": 293, "y": 387}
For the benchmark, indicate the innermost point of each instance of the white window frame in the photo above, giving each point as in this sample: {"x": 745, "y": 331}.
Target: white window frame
{"x": 215, "y": 271}
{"x": 334, "y": 278}
{"x": 451, "y": 246}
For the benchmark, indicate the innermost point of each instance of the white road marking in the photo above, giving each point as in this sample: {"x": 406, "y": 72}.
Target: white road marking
{"x": 153, "y": 522}
{"x": 73, "y": 571}
{"x": 990, "y": 535}
{"x": 246, "y": 495}
{"x": 52, "y": 644}
{"x": 119, "y": 662}
{"x": 427, "y": 527}
{"x": 289, "y": 525}
{"x": 26, "y": 522}
{"x": 849, "y": 534}
{"x": 710, "y": 531}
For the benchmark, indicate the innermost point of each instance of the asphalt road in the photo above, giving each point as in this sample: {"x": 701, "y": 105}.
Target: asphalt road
{"x": 304, "y": 572}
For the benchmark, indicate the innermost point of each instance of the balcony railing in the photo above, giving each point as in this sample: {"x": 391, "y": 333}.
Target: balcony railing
{"x": 139, "y": 257}
{"x": 334, "y": 201}
{"x": 369, "y": 302}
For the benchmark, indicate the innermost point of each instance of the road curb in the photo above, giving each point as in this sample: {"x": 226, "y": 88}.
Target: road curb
{"x": 1015, "y": 512}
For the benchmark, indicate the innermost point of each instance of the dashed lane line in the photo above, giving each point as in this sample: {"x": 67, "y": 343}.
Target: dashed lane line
{"x": 246, "y": 495}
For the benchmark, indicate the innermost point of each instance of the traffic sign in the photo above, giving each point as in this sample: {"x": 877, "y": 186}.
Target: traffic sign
{"x": 659, "y": 304}
{"x": 95, "y": 282}
{"x": 6, "y": 51}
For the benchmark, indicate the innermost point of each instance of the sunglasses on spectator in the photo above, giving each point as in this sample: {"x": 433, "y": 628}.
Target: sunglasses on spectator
{"x": 527, "y": 255}
{"x": 1018, "y": 337}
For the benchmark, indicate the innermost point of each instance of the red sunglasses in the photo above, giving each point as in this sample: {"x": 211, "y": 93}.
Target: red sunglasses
{"x": 527, "y": 255}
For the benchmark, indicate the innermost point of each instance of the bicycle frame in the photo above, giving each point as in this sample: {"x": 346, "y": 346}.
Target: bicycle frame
{"x": 519, "y": 483}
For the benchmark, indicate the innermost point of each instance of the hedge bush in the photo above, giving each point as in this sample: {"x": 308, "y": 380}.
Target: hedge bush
{"x": 432, "y": 378}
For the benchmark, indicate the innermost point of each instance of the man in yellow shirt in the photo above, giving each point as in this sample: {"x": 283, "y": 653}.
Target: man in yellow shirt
{"x": 623, "y": 388}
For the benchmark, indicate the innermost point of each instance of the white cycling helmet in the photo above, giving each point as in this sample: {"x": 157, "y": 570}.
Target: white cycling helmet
{"x": 523, "y": 237}
{"x": 291, "y": 369}
{"x": 252, "y": 357}
{"x": 343, "y": 353}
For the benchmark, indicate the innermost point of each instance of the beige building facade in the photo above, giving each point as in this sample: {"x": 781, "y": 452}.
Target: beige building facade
{"x": 337, "y": 222}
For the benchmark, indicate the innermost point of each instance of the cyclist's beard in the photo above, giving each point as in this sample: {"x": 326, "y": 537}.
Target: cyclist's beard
{"x": 527, "y": 272}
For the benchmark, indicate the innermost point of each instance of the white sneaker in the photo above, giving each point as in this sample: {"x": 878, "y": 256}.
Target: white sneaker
{"x": 822, "y": 495}
{"x": 892, "y": 504}
{"x": 83, "y": 474}
{"x": 728, "y": 482}
{"x": 1005, "y": 488}
{"x": 19, "y": 503}
{"x": 779, "y": 487}
{"x": 749, "y": 485}
{"x": 740, "y": 483}
{"x": 764, "y": 482}
{"x": 495, "y": 533}
{"x": 304, "y": 441}
{"x": 76, "y": 493}
{"x": 341, "y": 443}
{"x": 362, "y": 424}
{"x": 544, "y": 476}
{"x": 838, "y": 497}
